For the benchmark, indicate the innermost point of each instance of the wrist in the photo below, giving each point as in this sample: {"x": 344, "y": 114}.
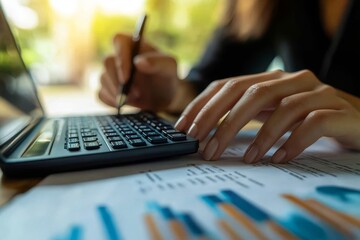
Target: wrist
{"x": 185, "y": 93}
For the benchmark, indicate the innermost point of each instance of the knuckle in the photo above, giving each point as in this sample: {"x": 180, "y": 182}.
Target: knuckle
{"x": 258, "y": 90}
{"x": 278, "y": 73}
{"x": 216, "y": 84}
{"x": 232, "y": 84}
{"x": 319, "y": 119}
{"x": 287, "y": 104}
{"x": 204, "y": 113}
{"x": 306, "y": 73}
{"x": 327, "y": 89}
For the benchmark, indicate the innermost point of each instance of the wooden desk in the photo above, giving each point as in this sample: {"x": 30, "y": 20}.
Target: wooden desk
{"x": 57, "y": 101}
{"x": 68, "y": 97}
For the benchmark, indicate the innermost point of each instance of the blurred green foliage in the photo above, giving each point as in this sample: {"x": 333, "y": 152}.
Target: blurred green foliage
{"x": 180, "y": 28}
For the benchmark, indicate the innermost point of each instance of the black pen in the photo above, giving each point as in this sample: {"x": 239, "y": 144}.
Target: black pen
{"x": 135, "y": 50}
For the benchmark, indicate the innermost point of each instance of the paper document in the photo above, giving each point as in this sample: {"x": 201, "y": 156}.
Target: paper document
{"x": 316, "y": 196}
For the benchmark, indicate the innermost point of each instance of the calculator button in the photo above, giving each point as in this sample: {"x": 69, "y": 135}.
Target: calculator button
{"x": 91, "y": 145}
{"x": 118, "y": 144}
{"x": 89, "y": 139}
{"x": 88, "y": 134}
{"x": 112, "y": 139}
{"x": 157, "y": 139}
{"x": 73, "y": 146}
{"x": 170, "y": 131}
{"x": 73, "y": 140}
{"x": 133, "y": 136}
{"x": 151, "y": 134}
{"x": 73, "y": 135}
{"x": 177, "y": 136}
{"x": 112, "y": 134}
{"x": 137, "y": 142}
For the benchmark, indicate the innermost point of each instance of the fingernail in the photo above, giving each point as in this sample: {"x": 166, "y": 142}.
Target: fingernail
{"x": 202, "y": 146}
{"x": 279, "y": 156}
{"x": 180, "y": 124}
{"x": 142, "y": 61}
{"x": 210, "y": 149}
{"x": 251, "y": 154}
{"x": 193, "y": 130}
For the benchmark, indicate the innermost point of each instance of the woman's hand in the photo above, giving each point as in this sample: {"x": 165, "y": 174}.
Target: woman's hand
{"x": 155, "y": 80}
{"x": 296, "y": 102}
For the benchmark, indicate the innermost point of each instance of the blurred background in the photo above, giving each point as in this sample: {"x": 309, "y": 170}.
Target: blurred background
{"x": 64, "y": 42}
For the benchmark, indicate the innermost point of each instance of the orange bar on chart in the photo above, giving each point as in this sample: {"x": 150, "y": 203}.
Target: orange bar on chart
{"x": 241, "y": 219}
{"x": 229, "y": 231}
{"x": 323, "y": 215}
{"x": 177, "y": 229}
{"x": 280, "y": 231}
{"x": 345, "y": 217}
{"x": 152, "y": 228}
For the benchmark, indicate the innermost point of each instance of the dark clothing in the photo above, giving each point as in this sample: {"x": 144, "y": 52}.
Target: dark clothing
{"x": 296, "y": 35}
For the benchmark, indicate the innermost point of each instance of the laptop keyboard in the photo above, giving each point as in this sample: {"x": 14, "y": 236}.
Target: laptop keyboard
{"x": 120, "y": 132}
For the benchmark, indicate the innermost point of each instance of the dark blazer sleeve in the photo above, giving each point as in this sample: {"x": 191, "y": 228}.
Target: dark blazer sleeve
{"x": 225, "y": 56}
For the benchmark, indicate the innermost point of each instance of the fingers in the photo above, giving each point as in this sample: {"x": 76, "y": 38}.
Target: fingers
{"x": 290, "y": 111}
{"x": 155, "y": 63}
{"x": 289, "y": 101}
{"x": 122, "y": 45}
{"x": 317, "y": 124}
{"x": 211, "y": 105}
{"x": 258, "y": 97}
{"x": 185, "y": 122}
{"x": 109, "y": 78}
{"x": 107, "y": 97}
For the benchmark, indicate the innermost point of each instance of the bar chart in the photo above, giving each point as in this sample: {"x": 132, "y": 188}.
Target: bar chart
{"x": 234, "y": 216}
{"x": 238, "y": 218}
{"x": 108, "y": 224}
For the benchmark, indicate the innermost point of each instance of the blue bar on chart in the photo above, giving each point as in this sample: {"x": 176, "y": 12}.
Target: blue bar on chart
{"x": 226, "y": 212}
{"x": 329, "y": 220}
{"x": 304, "y": 227}
{"x": 230, "y": 205}
{"x": 212, "y": 201}
{"x": 75, "y": 233}
{"x": 192, "y": 225}
{"x": 245, "y": 206}
{"x": 108, "y": 223}
{"x": 180, "y": 224}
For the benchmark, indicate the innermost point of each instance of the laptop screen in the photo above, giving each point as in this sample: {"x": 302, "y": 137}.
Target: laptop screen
{"x": 19, "y": 105}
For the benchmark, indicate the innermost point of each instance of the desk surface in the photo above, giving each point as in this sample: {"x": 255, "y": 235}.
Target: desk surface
{"x": 57, "y": 101}
{"x": 73, "y": 100}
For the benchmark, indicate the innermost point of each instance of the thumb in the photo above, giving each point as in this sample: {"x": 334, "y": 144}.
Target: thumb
{"x": 156, "y": 63}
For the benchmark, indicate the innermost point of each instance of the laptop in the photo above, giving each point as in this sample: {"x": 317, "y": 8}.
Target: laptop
{"x": 32, "y": 144}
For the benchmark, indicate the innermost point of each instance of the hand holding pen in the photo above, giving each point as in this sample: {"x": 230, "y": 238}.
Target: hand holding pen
{"x": 155, "y": 83}
{"x": 135, "y": 50}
